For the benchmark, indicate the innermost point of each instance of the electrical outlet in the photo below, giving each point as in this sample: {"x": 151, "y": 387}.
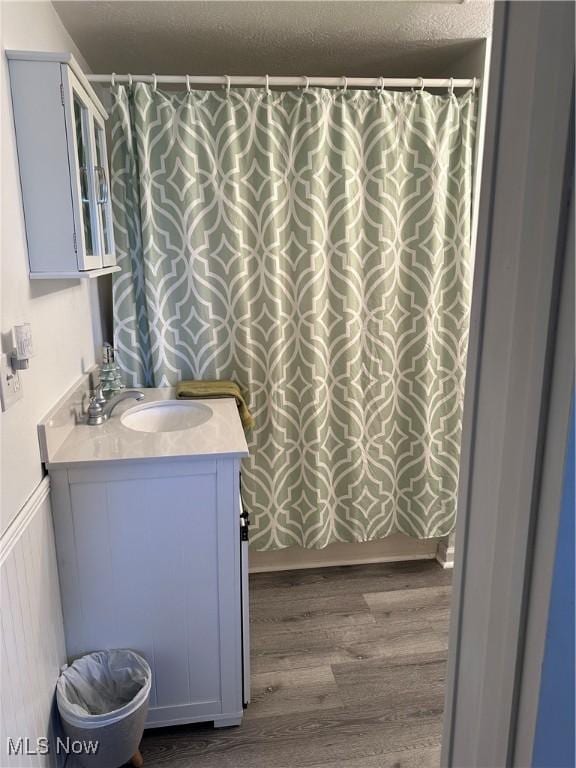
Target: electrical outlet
{"x": 10, "y": 384}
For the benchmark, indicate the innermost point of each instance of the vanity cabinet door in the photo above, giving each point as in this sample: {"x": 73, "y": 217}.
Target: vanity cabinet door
{"x": 140, "y": 561}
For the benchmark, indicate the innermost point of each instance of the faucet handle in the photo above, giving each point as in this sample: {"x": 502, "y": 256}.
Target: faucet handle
{"x": 99, "y": 394}
{"x": 95, "y": 410}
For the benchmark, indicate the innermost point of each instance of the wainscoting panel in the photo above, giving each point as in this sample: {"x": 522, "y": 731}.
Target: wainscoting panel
{"x": 32, "y": 635}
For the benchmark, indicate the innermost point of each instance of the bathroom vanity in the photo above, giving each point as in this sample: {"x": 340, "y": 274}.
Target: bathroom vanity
{"x": 148, "y": 525}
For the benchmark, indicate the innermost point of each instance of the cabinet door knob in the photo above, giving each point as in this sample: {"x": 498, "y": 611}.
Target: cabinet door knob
{"x": 84, "y": 185}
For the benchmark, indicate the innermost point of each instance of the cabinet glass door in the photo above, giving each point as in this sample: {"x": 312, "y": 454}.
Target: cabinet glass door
{"x": 82, "y": 161}
{"x": 90, "y": 181}
{"x": 82, "y": 135}
{"x": 103, "y": 196}
{"x": 79, "y": 119}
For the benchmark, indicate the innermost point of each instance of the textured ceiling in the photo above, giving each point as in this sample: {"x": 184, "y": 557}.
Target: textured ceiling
{"x": 275, "y": 37}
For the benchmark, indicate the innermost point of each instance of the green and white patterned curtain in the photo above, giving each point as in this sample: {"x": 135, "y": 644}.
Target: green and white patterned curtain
{"x": 314, "y": 246}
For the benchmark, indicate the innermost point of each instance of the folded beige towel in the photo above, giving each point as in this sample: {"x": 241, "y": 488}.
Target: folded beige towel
{"x": 215, "y": 389}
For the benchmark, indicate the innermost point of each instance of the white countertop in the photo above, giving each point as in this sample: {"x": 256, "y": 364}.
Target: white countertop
{"x": 221, "y": 435}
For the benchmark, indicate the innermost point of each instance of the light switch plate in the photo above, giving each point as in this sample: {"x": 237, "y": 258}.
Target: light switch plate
{"x": 10, "y": 384}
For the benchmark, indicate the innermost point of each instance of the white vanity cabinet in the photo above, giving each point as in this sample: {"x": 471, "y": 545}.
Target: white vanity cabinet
{"x": 149, "y": 558}
{"x": 60, "y": 136}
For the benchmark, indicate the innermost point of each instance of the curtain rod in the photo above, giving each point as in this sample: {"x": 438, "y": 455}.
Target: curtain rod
{"x": 264, "y": 81}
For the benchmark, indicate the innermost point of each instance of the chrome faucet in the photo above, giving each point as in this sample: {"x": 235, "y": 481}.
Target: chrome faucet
{"x": 100, "y": 410}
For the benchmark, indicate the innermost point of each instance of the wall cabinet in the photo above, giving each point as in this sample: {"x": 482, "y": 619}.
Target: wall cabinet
{"x": 60, "y": 136}
{"x": 149, "y": 558}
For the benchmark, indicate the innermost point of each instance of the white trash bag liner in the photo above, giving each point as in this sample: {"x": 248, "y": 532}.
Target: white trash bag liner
{"x": 104, "y": 697}
{"x": 103, "y": 687}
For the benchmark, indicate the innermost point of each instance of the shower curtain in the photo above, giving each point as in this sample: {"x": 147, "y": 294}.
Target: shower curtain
{"x": 314, "y": 246}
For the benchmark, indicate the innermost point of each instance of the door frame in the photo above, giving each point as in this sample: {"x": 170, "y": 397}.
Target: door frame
{"x": 520, "y": 352}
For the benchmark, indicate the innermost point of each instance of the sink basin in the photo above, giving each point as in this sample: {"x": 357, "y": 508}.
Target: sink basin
{"x": 166, "y": 416}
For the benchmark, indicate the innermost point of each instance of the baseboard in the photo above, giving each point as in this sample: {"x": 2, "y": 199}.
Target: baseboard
{"x": 394, "y": 549}
{"x": 445, "y": 552}
{"x": 333, "y": 563}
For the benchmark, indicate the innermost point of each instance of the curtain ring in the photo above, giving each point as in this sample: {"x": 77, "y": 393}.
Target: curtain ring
{"x": 129, "y": 80}
{"x": 421, "y": 79}
{"x": 474, "y": 85}
{"x": 381, "y": 87}
{"x": 451, "y": 86}
{"x": 228, "y": 83}
{"x": 306, "y": 84}
{"x": 267, "y": 87}
{"x": 344, "y": 84}
{"x": 113, "y": 79}
{"x": 154, "y": 83}
{"x": 188, "y": 87}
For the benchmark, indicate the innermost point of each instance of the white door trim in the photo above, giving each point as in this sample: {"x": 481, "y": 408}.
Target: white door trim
{"x": 513, "y": 321}
{"x": 547, "y": 522}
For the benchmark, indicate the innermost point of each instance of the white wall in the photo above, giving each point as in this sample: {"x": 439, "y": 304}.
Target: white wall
{"x": 64, "y": 314}
{"x": 66, "y": 326}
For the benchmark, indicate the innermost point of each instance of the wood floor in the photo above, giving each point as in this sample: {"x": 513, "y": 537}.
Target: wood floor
{"x": 348, "y": 672}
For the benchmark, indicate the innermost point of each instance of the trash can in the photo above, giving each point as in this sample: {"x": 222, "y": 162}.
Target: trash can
{"x": 103, "y": 701}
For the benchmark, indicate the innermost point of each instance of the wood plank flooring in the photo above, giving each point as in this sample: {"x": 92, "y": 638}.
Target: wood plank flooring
{"x": 348, "y": 671}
